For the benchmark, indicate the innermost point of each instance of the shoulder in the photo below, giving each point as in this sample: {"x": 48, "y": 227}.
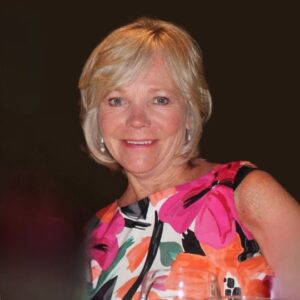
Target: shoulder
{"x": 273, "y": 217}
{"x": 262, "y": 203}
{"x": 258, "y": 189}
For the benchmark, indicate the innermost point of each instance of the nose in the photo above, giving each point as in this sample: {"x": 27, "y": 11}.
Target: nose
{"x": 138, "y": 117}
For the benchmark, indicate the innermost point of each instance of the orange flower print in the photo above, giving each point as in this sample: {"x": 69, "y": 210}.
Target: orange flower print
{"x": 138, "y": 253}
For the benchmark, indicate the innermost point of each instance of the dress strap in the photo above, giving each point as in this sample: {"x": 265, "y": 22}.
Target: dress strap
{"x": 242, "y": 172}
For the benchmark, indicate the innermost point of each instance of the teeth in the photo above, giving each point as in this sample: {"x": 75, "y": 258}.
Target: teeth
{"x": 139, "y": 142}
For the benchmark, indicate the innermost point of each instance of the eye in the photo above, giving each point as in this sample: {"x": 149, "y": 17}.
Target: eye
{"x": 161, "y": 100}
{"x": 115, "y": 101}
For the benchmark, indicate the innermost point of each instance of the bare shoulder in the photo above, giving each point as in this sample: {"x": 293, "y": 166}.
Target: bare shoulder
{"x": 262, "y": 202}
{"x": 273, "y": 217}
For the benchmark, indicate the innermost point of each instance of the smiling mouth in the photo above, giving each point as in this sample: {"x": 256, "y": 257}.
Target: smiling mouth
{"x": 139, "y": 142}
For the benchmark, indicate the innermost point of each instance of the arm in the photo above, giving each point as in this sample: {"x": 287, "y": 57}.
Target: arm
{"x": 273, "y": 217}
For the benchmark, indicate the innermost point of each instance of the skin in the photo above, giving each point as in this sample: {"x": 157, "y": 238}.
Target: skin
{"x": 273, "y": 217}
{"x": 143, "y": 125}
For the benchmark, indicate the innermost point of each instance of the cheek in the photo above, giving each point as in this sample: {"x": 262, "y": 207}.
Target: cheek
{"x": 107, "y": 123}
{"x": 103, "y": 124}
{"x": 174, "y": 123}
{"x": 100, "y": 120}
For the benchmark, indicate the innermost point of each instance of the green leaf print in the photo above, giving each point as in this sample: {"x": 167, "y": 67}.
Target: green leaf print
{"x": 168, "y": 252}
{"x": 106, "y": 275}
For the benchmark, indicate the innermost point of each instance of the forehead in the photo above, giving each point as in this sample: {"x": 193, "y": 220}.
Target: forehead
{"x": 154, "y": 75}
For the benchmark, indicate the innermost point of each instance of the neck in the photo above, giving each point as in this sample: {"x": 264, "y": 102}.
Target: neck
{"x": 141, "y": 185}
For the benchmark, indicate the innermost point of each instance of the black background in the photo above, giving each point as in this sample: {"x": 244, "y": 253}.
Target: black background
{"x": 251, "y": 58}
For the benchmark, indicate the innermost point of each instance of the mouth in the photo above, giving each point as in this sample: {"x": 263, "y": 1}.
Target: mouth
{"x": 139, "y": 143}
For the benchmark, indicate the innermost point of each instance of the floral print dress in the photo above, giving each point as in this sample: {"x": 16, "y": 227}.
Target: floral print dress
{"x": 192, "y": 225}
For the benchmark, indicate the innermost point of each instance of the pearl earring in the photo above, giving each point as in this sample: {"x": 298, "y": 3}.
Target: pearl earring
{"x": 188, "y": 136}
{"x": 102, "y": 145}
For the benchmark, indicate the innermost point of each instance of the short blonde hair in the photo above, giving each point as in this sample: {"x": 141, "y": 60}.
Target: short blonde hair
{"x": 122, "y": 55}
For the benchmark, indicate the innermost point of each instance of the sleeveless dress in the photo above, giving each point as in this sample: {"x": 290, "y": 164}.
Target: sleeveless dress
{"x": 194, "y": 224}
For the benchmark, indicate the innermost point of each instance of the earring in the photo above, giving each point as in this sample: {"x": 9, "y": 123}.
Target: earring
{"x": 102, "y": 145}
{"x": 188, "y": 136}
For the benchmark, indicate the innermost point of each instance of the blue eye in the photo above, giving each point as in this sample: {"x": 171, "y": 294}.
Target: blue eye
{"x": 161, "y": 100}
{"x": 115, "y": 101}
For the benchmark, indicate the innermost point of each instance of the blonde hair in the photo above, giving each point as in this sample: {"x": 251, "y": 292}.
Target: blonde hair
{"x": 122, "y": 55}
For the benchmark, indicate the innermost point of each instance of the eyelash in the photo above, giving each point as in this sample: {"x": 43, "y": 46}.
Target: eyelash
{"x": 166, "y": 100}
{"x": 114, "y": 99}
{"x": 117, "y": 101}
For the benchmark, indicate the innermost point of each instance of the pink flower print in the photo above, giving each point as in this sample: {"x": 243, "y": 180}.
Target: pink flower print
{"x": 173, "y": 211}
{"x": 210, "y": 205}
{"x": 215, "y": 224}
{"x": 103, "y": 243}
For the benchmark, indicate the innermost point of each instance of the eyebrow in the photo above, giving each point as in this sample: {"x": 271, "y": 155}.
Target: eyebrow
{"x": 151, "y": 89}
{"x": 162, "y": 90}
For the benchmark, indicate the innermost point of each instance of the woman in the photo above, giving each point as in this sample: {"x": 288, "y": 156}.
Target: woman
{"x": 144, "y": 102}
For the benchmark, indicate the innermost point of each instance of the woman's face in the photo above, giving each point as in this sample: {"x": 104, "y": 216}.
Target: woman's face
{"x": 143, "y": 124}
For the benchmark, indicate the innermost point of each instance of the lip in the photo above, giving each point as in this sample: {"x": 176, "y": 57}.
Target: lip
{"x": 140, "y": 143}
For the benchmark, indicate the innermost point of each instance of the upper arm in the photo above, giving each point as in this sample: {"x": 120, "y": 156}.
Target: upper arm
{"x": 273, "y": 217}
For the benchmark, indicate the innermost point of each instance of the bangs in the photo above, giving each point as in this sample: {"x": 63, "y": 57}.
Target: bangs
{"x": 119, "y": 69}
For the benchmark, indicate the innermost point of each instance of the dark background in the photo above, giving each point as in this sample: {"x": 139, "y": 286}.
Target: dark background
{"x": 251, "y": 57}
